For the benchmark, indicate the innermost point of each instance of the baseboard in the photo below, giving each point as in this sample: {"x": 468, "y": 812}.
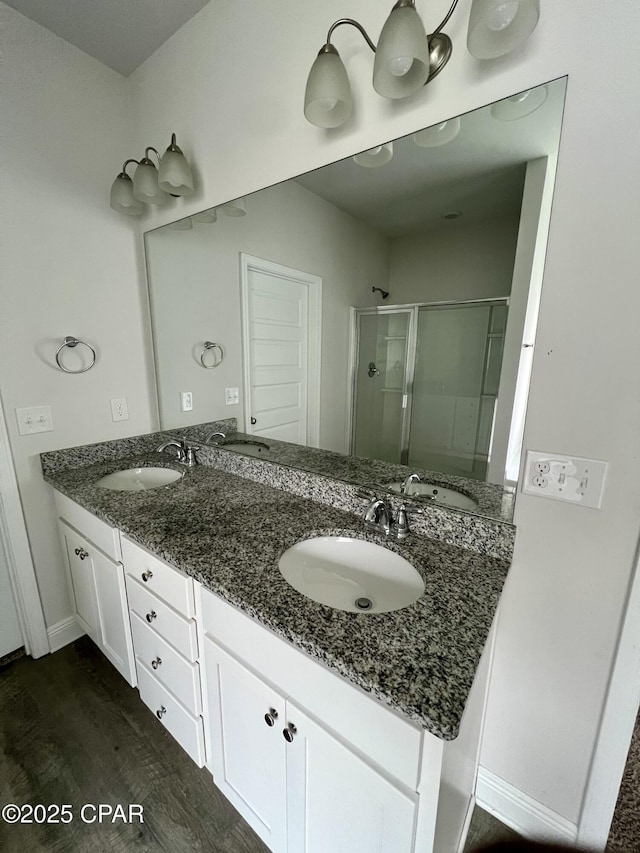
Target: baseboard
{"x": 63, "y": 633}
{"x": 520, "y": 812}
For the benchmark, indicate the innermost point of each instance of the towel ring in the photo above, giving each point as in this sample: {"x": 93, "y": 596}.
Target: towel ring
{"x": 208, "y": 345}
{"x": 72, "y": 342}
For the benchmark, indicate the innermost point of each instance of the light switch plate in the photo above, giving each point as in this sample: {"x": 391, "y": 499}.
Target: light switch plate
{"x": 231, "y": 396}
{"x": 565, "y": 478}
{"x": 34, "y": 419}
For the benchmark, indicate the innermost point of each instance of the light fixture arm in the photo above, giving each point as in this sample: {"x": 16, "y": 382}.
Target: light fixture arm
{"x": 146, "y": 153}
{"x": 352, "y": 23}
{"x": 126, "y": 163}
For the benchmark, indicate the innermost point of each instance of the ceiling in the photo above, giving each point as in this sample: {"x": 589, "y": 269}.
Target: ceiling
{"x": 118, "y": 33}
{"x": 480, "y": 173}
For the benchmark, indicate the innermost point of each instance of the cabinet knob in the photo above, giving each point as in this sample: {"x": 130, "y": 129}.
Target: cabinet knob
{"x": 156, "y": 663}
{"x": 289, "y": 732}
{"x": 271, "y": 717}
{"x": 146, "y": 576}
{"x": 151, "y": 616}
{"x": 80, "y": 552}
{"x": 161, "y": 712}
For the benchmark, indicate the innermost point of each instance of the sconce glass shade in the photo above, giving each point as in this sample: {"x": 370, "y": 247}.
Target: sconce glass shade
{"x": 521, "y": 105}
{"x": 401, "y": 66}
{"x": 182, "y": 224}
{"x": 145, "y": 184}
{"x": 375, "y": 156}
{"x": 237, "y": 207}
{"x": 122, "y": 198}
{"x": 439, "y": 134}
{"x": 175, "y": 175}
{"x": 210, "y": 215}
{"x": 327, "y": 98}
{"x": 497, "y": 27}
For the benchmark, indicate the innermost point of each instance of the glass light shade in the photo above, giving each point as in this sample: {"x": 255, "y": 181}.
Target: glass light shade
{"x": 439, "y": 134}
{"x": 497, "y": 27}
{"x": 327, "y": 98}
{"x": 375, "y": 156}
{"x": 145, "y": 184}
{"x": 121, "y": 197}
{"x": 182, "y": 224}
{"x": 237, "y": 207}
{"x": 401, "y": 66}
{"x": 175, "y": 175}
{"x": 210, "y": 215}
{"x": 521, "y": 105}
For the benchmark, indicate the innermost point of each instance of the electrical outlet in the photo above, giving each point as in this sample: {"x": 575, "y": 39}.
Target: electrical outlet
{"x": 186, "y": 401}
{"x": 565, "y": 478}
{"x": 231, "y": 396}
{"x": 34, "y": 419}
{"x": 119, "y": 409}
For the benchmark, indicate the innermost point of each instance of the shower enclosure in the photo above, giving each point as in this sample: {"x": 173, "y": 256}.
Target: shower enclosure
{"x": 426, "y": 384}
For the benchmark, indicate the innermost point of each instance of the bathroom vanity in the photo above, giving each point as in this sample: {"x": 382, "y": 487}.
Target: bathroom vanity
{"x": 327, "y": 730}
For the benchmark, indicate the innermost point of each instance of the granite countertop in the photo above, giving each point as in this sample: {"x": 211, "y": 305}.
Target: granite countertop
{"x": 229, "y": 532}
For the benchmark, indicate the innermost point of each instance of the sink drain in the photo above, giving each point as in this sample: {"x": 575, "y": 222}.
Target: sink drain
{"x": 363, "y": 603}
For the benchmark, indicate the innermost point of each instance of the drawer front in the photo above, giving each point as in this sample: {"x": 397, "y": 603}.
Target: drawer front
{"x": 106, "y": 538}
{"x": 174, "y": 628}
{"x": 163, "y": 580}
{"x": 184, "y": 727}
{"x": 180, "y": 676}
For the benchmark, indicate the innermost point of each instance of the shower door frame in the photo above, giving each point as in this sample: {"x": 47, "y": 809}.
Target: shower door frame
{"x": 413, "y": 309}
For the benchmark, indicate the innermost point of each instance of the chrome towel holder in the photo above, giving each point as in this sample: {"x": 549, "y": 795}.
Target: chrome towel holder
{"x": 217, "y": 360}
{"x": 71, "y": 342}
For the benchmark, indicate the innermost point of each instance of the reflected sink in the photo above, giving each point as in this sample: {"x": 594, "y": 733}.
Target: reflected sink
{"x": 139, "y": 479}
{"x": 351, "y": 574}
{"x": 439, "y": 494}
{"x": 251, "y": 448}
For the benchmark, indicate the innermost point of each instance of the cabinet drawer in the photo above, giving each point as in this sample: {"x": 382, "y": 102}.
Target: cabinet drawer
{"x": 106, "y": 538}
{"x": 165, "y": 581}
{"x": 174, "y": 628}
{"x": 184, "y": 727}
{"x": 180, "y": 676}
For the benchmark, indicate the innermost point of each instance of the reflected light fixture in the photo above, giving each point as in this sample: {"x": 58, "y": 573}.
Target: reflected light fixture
{"x": 210, "y": 215}
{"x": 497, "y": 27}
{"x": 151, "y": 185}
{"x": 520, "y": 105}
{"x": 237, "y": 207}
{"x": 438, "y": 134}
{"x": 375, "y": 157}
{"x": 182, "y": 224}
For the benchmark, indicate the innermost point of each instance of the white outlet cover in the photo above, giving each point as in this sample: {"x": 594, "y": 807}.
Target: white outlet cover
{"x": 186, "y": 401}
{"x": 119, "y": 409}
{"x": 573, "y": 479}
{"x": 232, "y": 396}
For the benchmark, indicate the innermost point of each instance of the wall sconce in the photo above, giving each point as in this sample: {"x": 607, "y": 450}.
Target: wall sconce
{"x": 151, "y": 185}
{"x": 406, "y": 58}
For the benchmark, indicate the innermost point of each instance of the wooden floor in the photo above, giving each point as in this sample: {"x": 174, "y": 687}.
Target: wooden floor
{"x": 73, "y": 732}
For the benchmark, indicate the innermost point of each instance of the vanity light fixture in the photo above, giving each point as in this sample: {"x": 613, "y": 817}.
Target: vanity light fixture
{"x": 439, "y": 134}
{"x": 497, "y": 27}
{"x": 151, "y": 185}
{"x": 375, "y": 157}
{"x": 520, "y": 105}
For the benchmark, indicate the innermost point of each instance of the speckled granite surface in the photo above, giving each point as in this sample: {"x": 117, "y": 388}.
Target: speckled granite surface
{"x": 229, "y": 532}
{"x": 493, "y": 502}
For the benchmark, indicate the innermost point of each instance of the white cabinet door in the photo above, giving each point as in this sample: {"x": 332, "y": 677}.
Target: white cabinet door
{"x": 339, "y": 803}
{"x": 246, "y": 718}
{"x": 115, "y": 631}
{"x": 82, "y": 580}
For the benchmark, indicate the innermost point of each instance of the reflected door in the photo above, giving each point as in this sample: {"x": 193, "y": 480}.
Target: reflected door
{"x": 381, "y": 385}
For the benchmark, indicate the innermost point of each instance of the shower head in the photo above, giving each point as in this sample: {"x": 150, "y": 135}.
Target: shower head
{"x": 383, "y": 293}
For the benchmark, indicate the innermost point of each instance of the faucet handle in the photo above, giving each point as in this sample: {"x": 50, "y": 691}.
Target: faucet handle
{"x": 401, "y": 527}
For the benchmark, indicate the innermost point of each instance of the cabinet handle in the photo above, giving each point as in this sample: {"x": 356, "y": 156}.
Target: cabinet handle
{"x": 151, "y": 616}
{"x": 289, "y": 732}
{"x": 161, "y": 712}
{"x": 146, "y": 576}
{"x": 80, "y": 552}
{"x": 156, "y": 663}
{"x": 271, "y": 717}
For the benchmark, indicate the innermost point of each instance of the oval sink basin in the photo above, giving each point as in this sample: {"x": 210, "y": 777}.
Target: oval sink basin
{"x": 251, "y": 448}
{"x": 351, "y": 574}
{"x": 439, "y": 494}
{"x": 139, "y": 479}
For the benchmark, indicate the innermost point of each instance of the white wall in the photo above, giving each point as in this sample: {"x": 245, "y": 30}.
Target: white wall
{"x": 196, "y": 274}
{"x": 70, "y": 266}
{"x": 231, "y": 84}
{"x": 456, "y": 260}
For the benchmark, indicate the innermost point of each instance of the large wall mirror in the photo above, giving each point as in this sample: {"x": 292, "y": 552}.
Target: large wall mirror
{"x": 382, "y": 307}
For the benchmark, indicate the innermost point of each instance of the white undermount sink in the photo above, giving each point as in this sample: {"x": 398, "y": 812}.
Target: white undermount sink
{"x": 351, "y": 574}
{"x": 139, "y": 479}
{"x": 249, "y": 448}
{"x": 439, "y": 494}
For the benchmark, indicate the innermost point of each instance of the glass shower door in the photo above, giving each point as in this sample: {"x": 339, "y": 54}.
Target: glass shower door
{"x": 381, "y": 385}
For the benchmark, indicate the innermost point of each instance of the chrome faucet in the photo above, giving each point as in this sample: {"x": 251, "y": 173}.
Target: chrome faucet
{"x": 186, "y": 452}
{"x": 412, "y": 478}
{"x": 214, "y": 434}
{"x": 379, "y": 516}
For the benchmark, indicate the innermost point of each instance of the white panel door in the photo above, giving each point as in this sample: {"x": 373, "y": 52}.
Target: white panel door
{"x": 247, "y": 755}
{"x": 339, "y": 803}
{"x": 113, "y": 613}
{"x": 83, "y": 587}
